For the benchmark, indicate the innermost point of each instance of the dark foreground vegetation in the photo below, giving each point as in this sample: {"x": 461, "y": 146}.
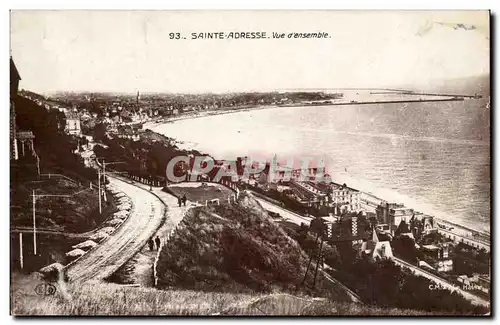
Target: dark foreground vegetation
{"x": 382, "y": 283}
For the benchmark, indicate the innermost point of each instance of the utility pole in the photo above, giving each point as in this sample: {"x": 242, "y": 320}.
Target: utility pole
{"x": 99, "y": 188}
{"x": 34, "y": 224}
{"x": 104, "y": 172}
{"x": 330, "y": 238}
{"x": 318, "y": 261}
{"x": 104, "y": 179}
{"x": 104, "y": 163}
{"x": 310, "y": 261}
{"x": 104, "y": 176}
{"x": 34, "y": 213}
{"x": 21, "y": 262}
{"x": 37, "y": 164}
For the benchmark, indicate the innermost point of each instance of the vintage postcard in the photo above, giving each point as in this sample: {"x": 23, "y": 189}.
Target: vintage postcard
{"x": 263, "y": 163}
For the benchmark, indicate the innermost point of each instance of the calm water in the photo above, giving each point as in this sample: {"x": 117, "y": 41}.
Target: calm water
{"x": 434, "y": 157}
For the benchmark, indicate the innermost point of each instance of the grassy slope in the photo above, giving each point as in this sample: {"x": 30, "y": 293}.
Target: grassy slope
{"x": 65, "y": 216}
{"x": 237, "y": 248}
{"x": 73, "y": 214}
{"x": 112, "y": 299}
{"x": 201, "y": 194}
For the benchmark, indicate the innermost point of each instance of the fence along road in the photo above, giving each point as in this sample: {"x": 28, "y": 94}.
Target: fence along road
{"x": 146, "y": 216}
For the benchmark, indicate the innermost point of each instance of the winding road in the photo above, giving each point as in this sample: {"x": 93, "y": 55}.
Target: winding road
{"x": 146, "y": 216}
{"x": 284, "y": 213}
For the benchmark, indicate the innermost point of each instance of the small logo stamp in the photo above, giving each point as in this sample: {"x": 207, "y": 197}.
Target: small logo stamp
{"x": 45, "y": 289}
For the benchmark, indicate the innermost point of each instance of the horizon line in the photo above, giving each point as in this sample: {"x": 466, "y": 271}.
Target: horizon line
{"x": 319, "y": 89}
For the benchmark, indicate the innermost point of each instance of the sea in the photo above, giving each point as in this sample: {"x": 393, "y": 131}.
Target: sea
{"x": 431, "y": 156}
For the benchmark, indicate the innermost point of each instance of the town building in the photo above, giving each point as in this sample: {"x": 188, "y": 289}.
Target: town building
{"x": 398, "y": 215}
{"x": 403, "y": 230}
{"x": 345, "y": 198}
{"x": 14, "y": 88}
{"x": 393, "y": 213}
{"x": 382, "y": 211}
{"x": 370, "y": 202}
{"x": 73, "y": 123}
{"x": 376, "y": 249}
{"x": 25, "y": 138}
{"x": 428, "y": 224}
{"x": 437, "y": 257}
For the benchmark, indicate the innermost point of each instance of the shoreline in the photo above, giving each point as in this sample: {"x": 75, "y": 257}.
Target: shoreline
{"x": 152, "y": 125}
{"x": 375, "y": 102}
{"x": 166, "y": 120}
{"x": 228, "y": 110}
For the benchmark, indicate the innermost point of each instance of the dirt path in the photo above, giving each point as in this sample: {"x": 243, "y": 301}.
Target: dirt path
{"x": 139, "y": 269}
{"x": 146, "y": 216}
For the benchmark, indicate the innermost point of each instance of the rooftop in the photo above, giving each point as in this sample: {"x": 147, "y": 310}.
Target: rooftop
{"x": 401, "y": 209}
{"x": 430, "y": 247}
{"x": 14, "y": 73}
{"x": 72, "y": 116}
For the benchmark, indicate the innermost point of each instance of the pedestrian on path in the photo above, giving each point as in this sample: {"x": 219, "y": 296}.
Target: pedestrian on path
{"x": 184, "y": 199}
{"x": 179, "y": 201}
{"x": 158, "y": 242}
{"x": 151, "y": 244}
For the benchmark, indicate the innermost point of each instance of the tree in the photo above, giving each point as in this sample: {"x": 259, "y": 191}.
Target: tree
{"x": 99, "y": 132}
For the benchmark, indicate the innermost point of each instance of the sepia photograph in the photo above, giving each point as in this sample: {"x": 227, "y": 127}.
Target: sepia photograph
{"x": 250, "y": 163}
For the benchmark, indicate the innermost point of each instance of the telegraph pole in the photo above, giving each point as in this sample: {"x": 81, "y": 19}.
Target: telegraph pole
{"x": 310, "y": 260}
{"x": 37, "y": 164}
{"x": 318, "y": 261}
{"x": 104, "y": 179}
{"x": 34, "y": 224}
{"x": 99, "y": 190}
{"x": 104, "y": 176}
{"x": 34, "y": 213}
{"x": 21, "y": 262}
{"x": 104, "y": 172}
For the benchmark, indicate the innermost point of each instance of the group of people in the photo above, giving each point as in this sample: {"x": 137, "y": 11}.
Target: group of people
{"x": 151, "y": 243}
{"x": 182, "y": 200}
{"x": 157, "y": 241}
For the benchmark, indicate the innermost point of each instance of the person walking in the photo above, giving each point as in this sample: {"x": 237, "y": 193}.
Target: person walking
{"x": 179, "y": 201}
{"x": 184, "y": 199}
{"x": 158, "y": 242}
{"x": 151, "y": 244}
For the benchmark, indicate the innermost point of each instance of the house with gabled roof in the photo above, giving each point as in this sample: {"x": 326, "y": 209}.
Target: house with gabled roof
{"x": 376, "y": 249}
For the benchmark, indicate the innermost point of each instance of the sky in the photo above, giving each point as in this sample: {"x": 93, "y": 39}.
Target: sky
{"x": 126, "y": 51}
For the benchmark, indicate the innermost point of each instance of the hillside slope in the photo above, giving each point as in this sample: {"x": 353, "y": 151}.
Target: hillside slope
{"x": 237, "y": 248}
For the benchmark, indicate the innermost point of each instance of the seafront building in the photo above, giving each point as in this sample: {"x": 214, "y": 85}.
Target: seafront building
{"x": 398, "y": 215}
{"x": 345, "y": 197}
{"x": 392, "y": 214}
{"x": 370, "y": 202}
